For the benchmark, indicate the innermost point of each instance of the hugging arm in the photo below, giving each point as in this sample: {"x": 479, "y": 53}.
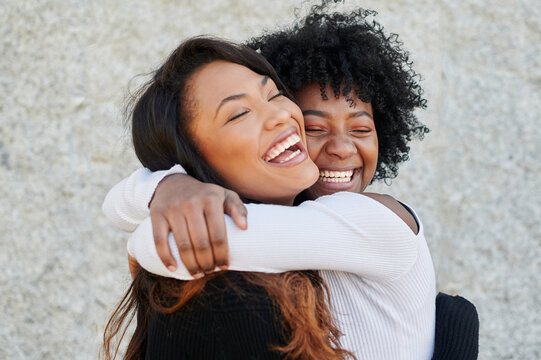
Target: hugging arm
{"x": 127, "y": 203}
{"x": 194, "y": 215}
{"x": 345, "y": 231}
{"x": 339, "y": 232}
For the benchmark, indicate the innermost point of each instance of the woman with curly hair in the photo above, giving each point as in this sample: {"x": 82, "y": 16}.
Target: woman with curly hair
{"x": 348, "y": 56}
{"x": 358, "y": 93}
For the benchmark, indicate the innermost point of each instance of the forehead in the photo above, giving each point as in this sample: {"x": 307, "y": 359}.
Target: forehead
{"x": 309, "y": 97}
{"x": 220, "y": 79}
{"x": 310, "y": 94}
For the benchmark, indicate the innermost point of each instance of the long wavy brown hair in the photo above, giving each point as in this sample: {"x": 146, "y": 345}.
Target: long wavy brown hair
{"x": 160, "y": 118}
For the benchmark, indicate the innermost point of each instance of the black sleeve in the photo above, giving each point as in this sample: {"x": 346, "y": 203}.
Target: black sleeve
{"x": 457, "y": 329}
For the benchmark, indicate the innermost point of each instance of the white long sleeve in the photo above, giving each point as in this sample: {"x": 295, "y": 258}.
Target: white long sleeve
{"x": 126, "y": 204}
{"x": 345, "y": 231}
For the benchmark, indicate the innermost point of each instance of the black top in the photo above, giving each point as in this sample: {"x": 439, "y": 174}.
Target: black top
{"x": 457, "y": 329}
{"x": 230, "y": 319}
{"x": 234, "y": 319}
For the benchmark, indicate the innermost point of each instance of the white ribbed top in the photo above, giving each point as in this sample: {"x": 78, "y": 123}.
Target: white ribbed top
{"x": 379, "y": 273}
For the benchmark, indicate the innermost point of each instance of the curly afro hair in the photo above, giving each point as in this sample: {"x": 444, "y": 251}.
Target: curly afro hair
{"x": 355, "y": 57}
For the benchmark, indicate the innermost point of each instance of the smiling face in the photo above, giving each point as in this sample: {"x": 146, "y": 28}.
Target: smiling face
{"x": 249, "y": 133}
{"x": 341, "y": 140}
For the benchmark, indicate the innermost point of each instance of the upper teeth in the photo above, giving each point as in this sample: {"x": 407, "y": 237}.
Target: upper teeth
{"x": 335, "y": 176}
{"x": 282, "y": 146}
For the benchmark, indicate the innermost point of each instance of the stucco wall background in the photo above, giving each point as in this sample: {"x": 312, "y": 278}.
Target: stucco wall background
{"x": 65, "y": 67}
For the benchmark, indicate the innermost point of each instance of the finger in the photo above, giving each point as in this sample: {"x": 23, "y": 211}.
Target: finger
{"x": 218, "y": 235}
{"x": 133, "y": 266}
{"x": 234, "y": 207}
{"x": 185, "y": 248}
{"x": 160, "y": 230}
{"x": 197, "y": 229}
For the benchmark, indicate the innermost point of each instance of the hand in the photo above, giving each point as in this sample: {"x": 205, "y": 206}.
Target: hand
{"x": 194, "y": 212}
{"x": 134, "y": 266}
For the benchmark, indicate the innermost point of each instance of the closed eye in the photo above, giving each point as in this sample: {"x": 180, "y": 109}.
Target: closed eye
{"x": 361, "y": 131}
{"x": 280, "y": 93}
{"x": 238, "y": 115}
{"x": 314, "y": 131}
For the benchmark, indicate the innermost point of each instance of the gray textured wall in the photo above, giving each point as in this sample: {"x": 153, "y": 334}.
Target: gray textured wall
{"x": 64, "y": 69}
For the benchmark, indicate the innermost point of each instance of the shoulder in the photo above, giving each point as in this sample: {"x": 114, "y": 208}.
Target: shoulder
{"x": 231, "y": 318}
{"x": 398, "y": 208}
{"x": 376, "y": 207}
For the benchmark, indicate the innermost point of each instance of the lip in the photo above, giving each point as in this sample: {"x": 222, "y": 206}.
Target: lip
{"x": 340, "y": 186}
{"x": 284, "y": 135}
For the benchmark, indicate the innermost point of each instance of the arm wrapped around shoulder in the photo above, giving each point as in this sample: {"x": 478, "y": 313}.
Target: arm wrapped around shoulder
{"x": 126, "y": 204}
{"x": 343, "y": 232}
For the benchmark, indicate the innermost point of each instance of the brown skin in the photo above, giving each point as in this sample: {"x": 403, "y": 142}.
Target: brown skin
{"x": 339, "y": 136}
{"x": 211, "y": 200}
{"x": 241, "y": 116}
{"x": 244, "y": 129}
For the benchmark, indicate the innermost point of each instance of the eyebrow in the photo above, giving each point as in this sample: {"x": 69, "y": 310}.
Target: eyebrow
{"x": 238, "y": 96}
{"x": 327, "y": 115}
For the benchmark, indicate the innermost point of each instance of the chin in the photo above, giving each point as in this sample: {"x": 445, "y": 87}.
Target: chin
{"x": 317, "y": 190}
{"x": 312, "y": 175}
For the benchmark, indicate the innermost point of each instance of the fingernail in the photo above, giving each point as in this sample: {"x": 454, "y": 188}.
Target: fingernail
{"x": 198, "y": 276}
{"x": 172, "y": 268}
{"x": 223, "y": 267}
{"x": 243, "y": 221}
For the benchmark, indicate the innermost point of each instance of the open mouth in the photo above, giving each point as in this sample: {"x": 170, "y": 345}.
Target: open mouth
{"x": 337, "y": 176}
{"x": 285, "y": 150}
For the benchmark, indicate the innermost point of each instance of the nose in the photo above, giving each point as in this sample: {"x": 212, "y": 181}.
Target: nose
{"x": 340, "y": 146}
{"x": 275, "y": 116}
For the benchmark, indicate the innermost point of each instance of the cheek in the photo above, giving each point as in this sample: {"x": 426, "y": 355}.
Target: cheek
{"x": 231, "y": 159}
{"x": 314, "y": 147}
{"x": 372, "y": 151}
{"x": 368, "y": 148}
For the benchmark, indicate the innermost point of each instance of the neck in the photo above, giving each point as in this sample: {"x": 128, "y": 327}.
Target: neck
{"x": 282, "y": 201}
{"x": 287, "y": 203}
